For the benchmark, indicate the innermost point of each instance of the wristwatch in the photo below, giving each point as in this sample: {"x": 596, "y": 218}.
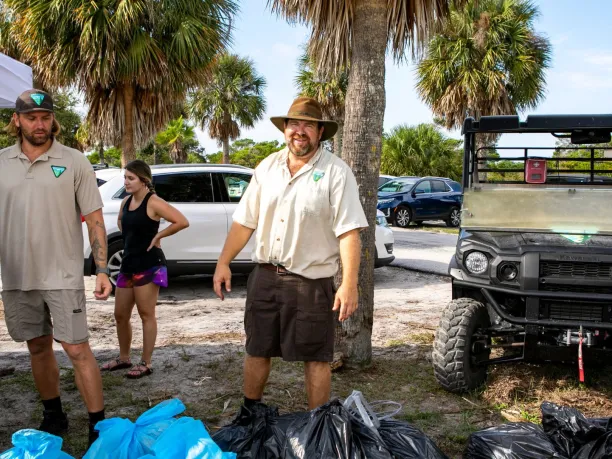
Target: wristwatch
{"x": 103, "y": 271}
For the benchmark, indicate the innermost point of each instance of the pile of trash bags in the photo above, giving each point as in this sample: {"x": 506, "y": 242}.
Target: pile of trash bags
{"x": 34, "y": 444}
{"x": 565, "y": 433}
{"x": 349, "y": 430}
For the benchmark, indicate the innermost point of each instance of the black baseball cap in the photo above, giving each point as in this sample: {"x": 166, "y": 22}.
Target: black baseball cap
{"x": 34, "y": 100}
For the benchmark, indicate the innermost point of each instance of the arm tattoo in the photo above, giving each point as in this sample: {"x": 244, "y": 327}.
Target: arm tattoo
{"x": 97, "y": 239}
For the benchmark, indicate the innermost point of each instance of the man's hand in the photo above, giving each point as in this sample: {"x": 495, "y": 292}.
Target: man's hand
{"x": 347, "y": 298}
{"x": 156, "y": 242}
{"x": 223, "y": 275}
{"x": 103, "y": 287}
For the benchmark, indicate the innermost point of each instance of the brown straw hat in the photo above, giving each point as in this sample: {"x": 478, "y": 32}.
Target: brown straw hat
{"x": 308, "y": 109}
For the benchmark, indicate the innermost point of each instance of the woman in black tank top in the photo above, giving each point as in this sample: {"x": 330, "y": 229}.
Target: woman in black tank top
{"x": 143, "y": 266}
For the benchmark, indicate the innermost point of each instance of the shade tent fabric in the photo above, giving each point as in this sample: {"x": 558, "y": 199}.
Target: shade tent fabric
{"x": 15, "y": 78}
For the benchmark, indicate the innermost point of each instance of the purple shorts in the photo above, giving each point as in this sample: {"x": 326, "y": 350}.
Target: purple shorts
{"x": 158, "y": 275}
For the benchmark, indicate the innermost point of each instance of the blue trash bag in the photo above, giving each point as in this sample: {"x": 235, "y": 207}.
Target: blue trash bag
{"x": 122, "y": 439}
{"x": 34, "y": 444}
{"x": 187, "y": 438}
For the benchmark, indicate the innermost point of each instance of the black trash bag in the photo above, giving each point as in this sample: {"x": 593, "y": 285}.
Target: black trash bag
{"x": 569, "y": 429}
{"x": 257, "y": 433}
{"x": 598, "y": 449}
{"x": 331, "y": 431}
{"x": 517, "y": 440}
{"x": 407, "y": 442}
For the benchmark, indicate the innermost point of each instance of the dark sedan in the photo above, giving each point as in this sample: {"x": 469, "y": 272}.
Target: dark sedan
{"x": 406, "y": 200}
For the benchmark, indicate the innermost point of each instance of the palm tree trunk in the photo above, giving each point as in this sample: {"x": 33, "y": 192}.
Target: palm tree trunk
{"x": 128, "y": 151}
{"x": 226, "y": 151}
{"x": 101, "y": 153}
{"x": 338, "y": 139}
{"x": 155, "y": 154}
{"x": 363, "y": 129}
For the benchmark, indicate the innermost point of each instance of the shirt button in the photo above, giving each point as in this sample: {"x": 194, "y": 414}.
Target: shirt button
{"x": 278, "y": 239}
{"x": 282, "y": 221}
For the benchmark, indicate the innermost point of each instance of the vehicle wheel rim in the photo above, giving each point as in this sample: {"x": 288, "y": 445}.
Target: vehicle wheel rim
{"x": 114, "y": 264}
{"x": 403, "y": 217}
{"x": 456, "y": 217}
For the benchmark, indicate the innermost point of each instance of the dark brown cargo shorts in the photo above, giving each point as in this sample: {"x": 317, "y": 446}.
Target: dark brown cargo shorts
{"x": 289, "y": 316}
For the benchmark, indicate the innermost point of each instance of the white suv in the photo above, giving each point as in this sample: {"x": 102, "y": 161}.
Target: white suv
{"x": 207, "y": 194}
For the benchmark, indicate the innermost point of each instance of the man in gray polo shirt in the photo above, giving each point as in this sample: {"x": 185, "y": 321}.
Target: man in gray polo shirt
{"x": 303, "y": 205}
{"x": 45, "y": 187}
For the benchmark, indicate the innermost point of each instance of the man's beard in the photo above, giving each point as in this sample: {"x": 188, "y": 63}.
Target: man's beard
{"x": 36, "y": 140}
{"x": 303, "y": 151}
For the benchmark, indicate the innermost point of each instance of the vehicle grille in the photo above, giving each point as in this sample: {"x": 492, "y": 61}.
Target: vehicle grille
{"x": 574, "y": 311}
{"x": 575, "y": 288}
{"x": 575, "y": 269}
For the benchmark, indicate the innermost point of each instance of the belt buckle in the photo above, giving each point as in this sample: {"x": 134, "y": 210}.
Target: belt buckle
{"x": 279, "y": 272}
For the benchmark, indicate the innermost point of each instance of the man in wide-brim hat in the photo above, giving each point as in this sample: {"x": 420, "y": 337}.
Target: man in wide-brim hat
{"x": 303, "y": 205}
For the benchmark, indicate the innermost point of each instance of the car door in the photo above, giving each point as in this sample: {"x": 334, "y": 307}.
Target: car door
{"x": 441, "y": 198}
{"x": 231, "y": 186}
{"x": 192, "y": 194}
{"x": 421, "y": 200}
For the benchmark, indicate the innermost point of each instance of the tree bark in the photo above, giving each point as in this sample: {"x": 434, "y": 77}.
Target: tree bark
{"x": 338, "y": 139}
{"x": 226, "y": 151}
{"x": 128, "y": 151}
{"x": 363, "y": 129}
{"x": 101, "y": 153}
{"x": 155, "y": 154}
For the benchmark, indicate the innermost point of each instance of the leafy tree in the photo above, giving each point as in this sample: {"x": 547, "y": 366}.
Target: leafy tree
{"x": 176, "y": 135}
{"x": 133, "y": 60}
{"x": 245, "y": 152}
{"x": 421, "y": 151}
{"x": 232, "y": 99}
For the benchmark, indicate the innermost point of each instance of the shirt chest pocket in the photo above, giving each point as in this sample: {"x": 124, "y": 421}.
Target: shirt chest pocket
{"x": 315, "y": 200}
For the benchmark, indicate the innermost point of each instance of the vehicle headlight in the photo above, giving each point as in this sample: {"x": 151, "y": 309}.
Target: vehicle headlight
{"x": 385, "y": 201}
{"x": 381, "y": 221}
{"x": 476, "y": 262}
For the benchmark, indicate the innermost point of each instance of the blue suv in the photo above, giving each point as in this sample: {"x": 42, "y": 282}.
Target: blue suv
{"x": 406, "y": 200}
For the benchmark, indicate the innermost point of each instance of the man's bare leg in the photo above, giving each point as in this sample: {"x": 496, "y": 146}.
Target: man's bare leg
{"x": 87, "y": 375}
{"x": 317, "y": 376}
{"x": 44, "y": 367}
{"x": 256, "y": 372}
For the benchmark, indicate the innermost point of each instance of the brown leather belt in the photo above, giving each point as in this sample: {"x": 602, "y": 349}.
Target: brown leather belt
{"x": 276, "y": 268}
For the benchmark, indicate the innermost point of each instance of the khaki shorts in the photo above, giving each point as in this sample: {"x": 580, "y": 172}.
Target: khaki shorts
{"x": 34, "y": 313}
{"x": 289, "y": 316}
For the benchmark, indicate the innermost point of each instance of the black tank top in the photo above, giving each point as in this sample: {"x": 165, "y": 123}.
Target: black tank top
{"x": 138, "y": 230}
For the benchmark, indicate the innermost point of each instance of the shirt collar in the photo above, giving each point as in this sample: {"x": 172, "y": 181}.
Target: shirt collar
{"x": 55, "y": 151}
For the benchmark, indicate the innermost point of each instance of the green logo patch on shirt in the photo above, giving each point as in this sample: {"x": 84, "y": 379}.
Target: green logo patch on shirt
{"x": 58, "y": 170}
{"x": 318, "y": 175}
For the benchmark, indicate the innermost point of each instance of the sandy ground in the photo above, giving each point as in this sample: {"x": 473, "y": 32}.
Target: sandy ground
{"x": 195, "y": 328}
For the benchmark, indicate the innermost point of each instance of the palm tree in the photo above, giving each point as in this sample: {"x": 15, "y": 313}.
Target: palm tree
{"x": 133, "y": 60}
{"x": 175, "y": 136}
{"x": 354, "y": 35}
{"x": 330, "y": 93}
{"x": 230, "y": 100}
{"x": 420, "y": 151}
{"x": 487, "y": 60}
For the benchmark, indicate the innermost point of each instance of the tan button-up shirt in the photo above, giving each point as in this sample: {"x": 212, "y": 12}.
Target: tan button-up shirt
{"x": 41, "y": 237}
{"x": 298, "y": 219}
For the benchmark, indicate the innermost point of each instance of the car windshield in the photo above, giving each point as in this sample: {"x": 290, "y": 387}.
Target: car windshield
{"x": 396, "y": 186}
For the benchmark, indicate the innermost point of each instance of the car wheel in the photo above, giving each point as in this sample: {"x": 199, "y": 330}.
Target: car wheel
{"x": 115, "y": 255}
{"x": 402, "y": 217}
{"x": 458, "y": 346}
{"x": 454, "y": 218}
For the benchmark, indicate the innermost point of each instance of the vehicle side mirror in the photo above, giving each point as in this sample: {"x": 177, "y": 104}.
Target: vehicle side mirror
{"x": 415, "y": 192}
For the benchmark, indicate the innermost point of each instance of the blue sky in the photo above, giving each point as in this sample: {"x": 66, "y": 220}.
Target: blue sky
{"x": 579, "y": 80}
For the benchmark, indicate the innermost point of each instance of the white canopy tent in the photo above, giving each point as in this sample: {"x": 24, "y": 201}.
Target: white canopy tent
{"x": 15, "y": 78}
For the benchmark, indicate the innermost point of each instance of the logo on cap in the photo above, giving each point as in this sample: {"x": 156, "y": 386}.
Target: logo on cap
{"x": 38, "y": 98}
{"x": 58, "y": 170}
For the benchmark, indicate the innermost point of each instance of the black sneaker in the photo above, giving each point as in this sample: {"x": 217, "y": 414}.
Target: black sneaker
{"x": 55, "y": 423}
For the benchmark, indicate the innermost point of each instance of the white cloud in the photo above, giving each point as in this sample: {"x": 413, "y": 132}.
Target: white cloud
{"x": 600, "y": 59}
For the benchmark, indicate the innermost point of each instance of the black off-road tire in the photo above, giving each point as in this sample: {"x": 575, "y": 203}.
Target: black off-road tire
{"x": 452, "y": 348}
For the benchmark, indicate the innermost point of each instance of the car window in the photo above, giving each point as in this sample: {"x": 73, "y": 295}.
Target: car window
{"x": 396, "y": 186}
{"x": 100, "y": 182}
{"x": 235, "y": 185}
{"x": 423, "y": 187}
{"x": 454, "y": 186}
{"x": 438, "y": 186}
{"x": 189, "y": 187}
